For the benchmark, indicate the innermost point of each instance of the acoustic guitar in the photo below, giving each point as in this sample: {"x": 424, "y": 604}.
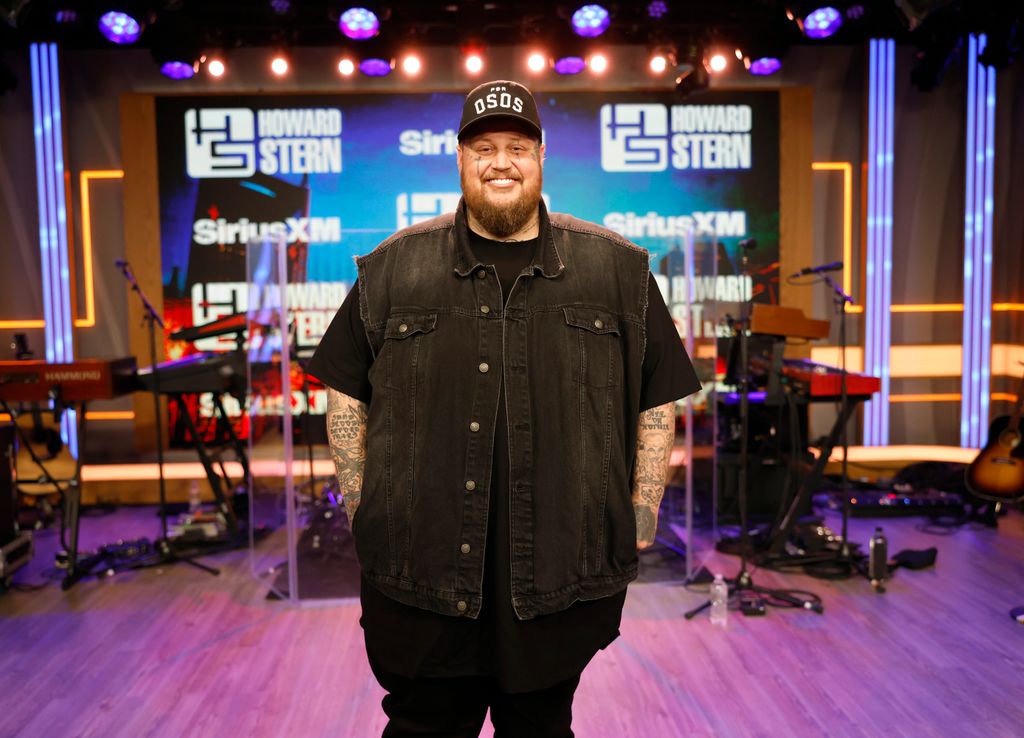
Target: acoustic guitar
{"x": 998, "y": 471}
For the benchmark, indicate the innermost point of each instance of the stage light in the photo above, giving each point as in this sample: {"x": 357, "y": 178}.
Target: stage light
{"x": 536, "y": 62}
{"x": 658, "y": 63}
{"x": 359, "y": 23}
{"x": 590, "y": 21}
{"x": 691, "y": 72}
{"x": 346, "y": 67}
{"x": 119, "y": 27}
{"x": 376, "y": 67}
{"x": 569, "y": 65}
{"x": 764, "y": 66}
{"x": 215, "y": 68}
{"x": 474, "y": 64}
{"x": 598, "y": 63}
{"x": 66, "y": 16}
{"x": 178, "y": 70}
{"x": 412, "y": 65}
{"x": 657, "y": 9}
{"x": 717, "y": 63}
{"x": 279, "y": 65}
{"x": 822, "y": 22}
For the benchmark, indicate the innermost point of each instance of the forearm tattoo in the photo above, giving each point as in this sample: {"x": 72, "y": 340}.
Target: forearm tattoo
{"x": 346, "y": 434}
{"x": 653, "y": 449}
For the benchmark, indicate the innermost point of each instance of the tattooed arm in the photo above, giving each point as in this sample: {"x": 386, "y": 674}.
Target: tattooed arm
{"x": 653, "y": 448}
{"x": 346, "y": 433}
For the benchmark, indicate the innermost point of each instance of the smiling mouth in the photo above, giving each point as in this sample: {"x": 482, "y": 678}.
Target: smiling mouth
{"x": 501, "y": 181}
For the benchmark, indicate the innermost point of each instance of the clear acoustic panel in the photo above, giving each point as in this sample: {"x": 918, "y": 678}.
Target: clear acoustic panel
{"x": 301, "y": 545}
{"x": 686, "y": 275}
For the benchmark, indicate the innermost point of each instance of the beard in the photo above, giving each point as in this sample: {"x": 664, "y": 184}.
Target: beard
{"x": 506, "y": 218}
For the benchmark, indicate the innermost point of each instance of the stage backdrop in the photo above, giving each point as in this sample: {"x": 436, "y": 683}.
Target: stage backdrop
{"x": 334, "y": 175}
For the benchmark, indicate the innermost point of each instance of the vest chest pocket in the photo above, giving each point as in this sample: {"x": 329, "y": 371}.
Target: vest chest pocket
{"x": 596, "y": 343}
{"x": 406, "y": 348}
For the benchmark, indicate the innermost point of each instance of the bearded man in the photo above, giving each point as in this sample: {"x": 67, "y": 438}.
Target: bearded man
{"x": 501, "y": 387}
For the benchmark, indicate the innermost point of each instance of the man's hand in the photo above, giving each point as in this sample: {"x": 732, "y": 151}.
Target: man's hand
{"x": 653, "y": 449}
{"x": 346, "y": 433}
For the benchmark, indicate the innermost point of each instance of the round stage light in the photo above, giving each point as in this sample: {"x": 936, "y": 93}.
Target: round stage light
{"x": 376, "y": 67}
{"x": 536, "y": 62}
{"x": 279, "y": 66}
{"x": 718, "y": 63}
{"x": 215, "y": 68}
{"x": 359, "y": 23}
{"x": 598, "y": 64}
{"x": 659, "y": 63}
{"x": 570, "y": 65}
{"x": 765, "y": 65}
{"x": 177, "y": 70}
{"x": 590, "y": 21}
{"x": 119, "y": 28}
{"x": 474, "y": 64}
{"x": 657, "y": 9}
{"x": 823, "y": 22}
{"x": 347, "y": 67}
{"x": 412, "y": 65}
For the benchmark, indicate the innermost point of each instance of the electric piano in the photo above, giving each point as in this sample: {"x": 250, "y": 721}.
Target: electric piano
{"x": 83, "y": 380}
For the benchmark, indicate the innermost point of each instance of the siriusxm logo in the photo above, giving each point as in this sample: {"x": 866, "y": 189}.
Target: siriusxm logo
{"x": 648, "y": 137}
{"x": 427, "y": 143}
{"x": 238, "y": 142}
{"x": 207, "y": 231}
{"x": 416, "y": 207}
{"x": 655, "y": 225}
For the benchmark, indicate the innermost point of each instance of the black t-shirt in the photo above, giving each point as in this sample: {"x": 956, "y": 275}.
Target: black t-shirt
{"x": 521, "y": 655}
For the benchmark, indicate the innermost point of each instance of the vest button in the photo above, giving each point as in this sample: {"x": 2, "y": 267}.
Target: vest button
{"x": 403, "y": 328}
{"x": 484, "y": 368}
{"x": 480, "y": 273}
{"x": 461, "y": 606}
{"x": 599, "y": 324}
{"x": 464, "y": 548}
{"x": 474, "y": 426}
{"x": 470, "y": 485}
{"x": 484, "y": 309}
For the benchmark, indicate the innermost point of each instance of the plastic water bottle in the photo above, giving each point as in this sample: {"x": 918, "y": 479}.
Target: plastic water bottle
{"x": 719, "y": 601}
{"x": 195, "y": 498}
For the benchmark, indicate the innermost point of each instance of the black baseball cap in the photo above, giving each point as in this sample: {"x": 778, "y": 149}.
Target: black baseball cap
{"x": 501, "y": 98}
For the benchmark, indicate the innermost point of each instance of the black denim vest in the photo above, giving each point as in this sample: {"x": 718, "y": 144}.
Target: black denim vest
{"x": 570, "y": 343}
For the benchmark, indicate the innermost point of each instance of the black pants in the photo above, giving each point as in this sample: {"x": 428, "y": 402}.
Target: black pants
{"x": 456, "y": 708}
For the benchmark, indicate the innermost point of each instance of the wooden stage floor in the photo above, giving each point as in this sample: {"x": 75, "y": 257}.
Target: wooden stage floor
{"x": 176, "y": 652}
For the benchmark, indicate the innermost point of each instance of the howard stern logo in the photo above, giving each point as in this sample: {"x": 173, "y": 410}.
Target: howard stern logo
{"x": 647, "y": 137}
{"x": 238, "y": 142}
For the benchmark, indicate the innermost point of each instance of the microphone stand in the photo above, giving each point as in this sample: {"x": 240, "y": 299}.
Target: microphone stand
{"x": 153, "y": 319}
{"x": 743, "y": 581}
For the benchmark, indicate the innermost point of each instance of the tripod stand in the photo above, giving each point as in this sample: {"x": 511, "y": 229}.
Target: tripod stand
{"x": 743, "y": 583}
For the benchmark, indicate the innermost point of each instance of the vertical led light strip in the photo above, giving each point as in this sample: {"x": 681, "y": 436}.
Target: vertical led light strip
{"x": 53, "y": 234}
{"x": 978, "y": 206}
{"x": 878, "y": 267}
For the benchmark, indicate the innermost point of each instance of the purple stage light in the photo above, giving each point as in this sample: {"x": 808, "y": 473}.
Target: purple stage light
{"x": 359, "y": 24}
{"x": 657, "y": 9}
{"x": 119, "y": 28}
{"x": 823, "y": 22}
{"x": 570, "y": 65}
{"x": 765, "y": 65}
{"x": 375, "y": 67}
{"x": 590, "y": 21}
{"x": 177, "y": 70}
